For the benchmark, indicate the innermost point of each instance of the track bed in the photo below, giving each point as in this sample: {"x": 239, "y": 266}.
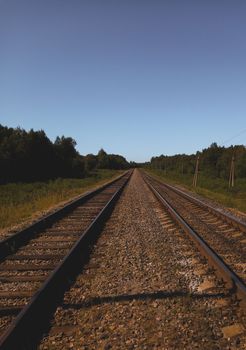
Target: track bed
{"x": 145, "y": 286}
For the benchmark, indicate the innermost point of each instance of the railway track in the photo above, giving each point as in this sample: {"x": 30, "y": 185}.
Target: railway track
{"x": 125, "y": 292}
{"x": 220, "y": 237}
{"x": 145, "y": 286}
{"x": 37, "y": 263}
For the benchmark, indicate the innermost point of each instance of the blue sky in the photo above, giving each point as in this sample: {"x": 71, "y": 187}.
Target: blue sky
{"x": 138, "y": 78}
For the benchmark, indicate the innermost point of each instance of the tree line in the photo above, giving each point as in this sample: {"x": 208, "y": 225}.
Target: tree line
{"x": 32, "y": 156}
{"x": 214, "y": 161}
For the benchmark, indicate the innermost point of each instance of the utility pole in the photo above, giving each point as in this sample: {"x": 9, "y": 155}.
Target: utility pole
{"x": 196, "y": 172}
{"x": 232, "y": 172}
{"x": 182, "y": 167}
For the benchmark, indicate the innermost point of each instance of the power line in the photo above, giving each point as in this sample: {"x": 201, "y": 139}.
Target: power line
{"x": 233, "y": 137}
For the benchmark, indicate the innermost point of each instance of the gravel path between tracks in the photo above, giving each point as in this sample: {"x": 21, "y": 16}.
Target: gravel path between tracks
{"x": 145, "y": 287}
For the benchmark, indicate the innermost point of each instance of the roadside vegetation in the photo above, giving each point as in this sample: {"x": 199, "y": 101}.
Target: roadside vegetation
{"x": 213, "y": 174}
{"x": 28, "y": 156}
{"x": 21, "y": 201}
{"x": 37, "y": 174}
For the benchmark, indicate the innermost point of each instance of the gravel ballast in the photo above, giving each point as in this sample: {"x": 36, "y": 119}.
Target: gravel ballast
{"x": 145, "y": 287}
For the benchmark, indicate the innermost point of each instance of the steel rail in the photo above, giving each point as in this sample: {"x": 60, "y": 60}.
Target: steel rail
{"x": 225, "y": 216}
{"x": 10, "y": 244}
{"x": 24, "y": 331}
{"x": 233, "y": 282}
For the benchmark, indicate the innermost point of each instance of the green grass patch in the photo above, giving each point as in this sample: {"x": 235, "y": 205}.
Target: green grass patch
{"x": 212, "y": 188}
{"x": 20, "y": 201}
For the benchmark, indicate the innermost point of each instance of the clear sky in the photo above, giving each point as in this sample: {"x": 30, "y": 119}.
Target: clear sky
{"x": 136, "y": 77}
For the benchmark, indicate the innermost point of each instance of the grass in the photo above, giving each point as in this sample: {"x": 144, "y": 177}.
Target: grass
{"x": 22, "y": 201}
{"x": 212, "y": 188}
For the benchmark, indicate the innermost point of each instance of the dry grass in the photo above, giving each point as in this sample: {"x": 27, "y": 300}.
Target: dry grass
{"x": 21, "y": 201}
{"x": 212, "y": 188}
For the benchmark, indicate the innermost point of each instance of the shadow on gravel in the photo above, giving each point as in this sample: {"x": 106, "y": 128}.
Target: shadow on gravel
{"x": 143, "y": 296}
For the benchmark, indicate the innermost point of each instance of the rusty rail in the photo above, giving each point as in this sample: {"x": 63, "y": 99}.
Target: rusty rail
{"x": 25, "y": 330}
{"x": 233, "y": 282}
{"x": 12, "y": 243}
{"x": 225, "y": 216}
